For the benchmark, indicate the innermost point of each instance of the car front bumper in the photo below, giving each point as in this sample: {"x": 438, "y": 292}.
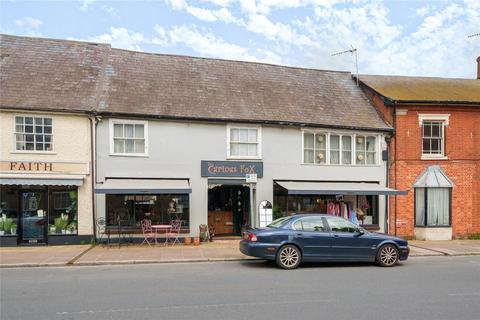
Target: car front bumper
{"x": 404, "y": 252}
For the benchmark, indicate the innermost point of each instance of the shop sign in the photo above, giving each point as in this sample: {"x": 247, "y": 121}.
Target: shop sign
{"x": 43, "y": 166}
{"x": 231, "y": 168}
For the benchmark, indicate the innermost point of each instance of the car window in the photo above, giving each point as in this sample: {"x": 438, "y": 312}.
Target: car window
{"x": 341, "y": 225}
{"x": 309, "y": 224}
{"x": 279, "y": 222}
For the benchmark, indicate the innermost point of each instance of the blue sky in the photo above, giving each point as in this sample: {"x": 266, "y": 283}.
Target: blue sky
{"x": 424, "y": 38}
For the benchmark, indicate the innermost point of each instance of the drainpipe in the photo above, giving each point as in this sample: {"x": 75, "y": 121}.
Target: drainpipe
{"x": 387, "y": 184}
{"x": 395, "y": 161}
{"x": 94, "y": 119}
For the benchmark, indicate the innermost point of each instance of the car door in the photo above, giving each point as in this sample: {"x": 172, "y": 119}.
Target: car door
{"x": 347, "y": 242}
{"x": 313, "y": 236}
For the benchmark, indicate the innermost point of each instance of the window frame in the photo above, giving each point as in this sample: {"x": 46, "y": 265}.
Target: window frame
{"x": 425, "y": 200}
{"x": 445, "y": 119}
{"x": 353, "y": 150}
{"x": 112, "y": 123}
{"x": 34, "y": 116}
{"x": 259, "y": 142}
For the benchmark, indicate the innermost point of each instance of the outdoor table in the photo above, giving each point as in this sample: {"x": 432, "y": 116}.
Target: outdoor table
{"x": 157, "y": 227}
{"x": 122, "y": 231}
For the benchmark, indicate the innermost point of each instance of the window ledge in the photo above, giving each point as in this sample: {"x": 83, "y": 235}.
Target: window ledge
{"x": 33, "y": 152}
{"x": 129, "y": 155}
{"x": 243, "y": 158}
{"x": 342, "y": 165}
{"x": 430, "y": 157}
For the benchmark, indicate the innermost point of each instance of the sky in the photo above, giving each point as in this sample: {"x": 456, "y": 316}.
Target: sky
{"x": 407, "y": 37}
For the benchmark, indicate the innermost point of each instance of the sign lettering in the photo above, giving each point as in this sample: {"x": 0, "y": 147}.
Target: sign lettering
{"x": 231, "y": 168}
{"x": 31, "y": 166}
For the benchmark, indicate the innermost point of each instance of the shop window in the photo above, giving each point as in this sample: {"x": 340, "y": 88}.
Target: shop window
{"x": 128, "y": 137}
{"x": 432, "y": 207}
{"x": 33, "y": 133}
{"x": 366, "y": 150}
{"x": 63, "y": 215}
{"x": 365, "y": 206}
{"x": 9, "y": 212}
{"x": 244, "y": 142}
{"x": 130, "y": 210}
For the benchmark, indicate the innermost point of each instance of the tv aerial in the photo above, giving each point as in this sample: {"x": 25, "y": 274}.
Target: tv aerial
{"x": 353, "y": 51}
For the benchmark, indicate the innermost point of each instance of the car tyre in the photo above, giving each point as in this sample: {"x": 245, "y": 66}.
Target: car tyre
{"x": 288, "y": 257}
{"x": 387, "y": 255}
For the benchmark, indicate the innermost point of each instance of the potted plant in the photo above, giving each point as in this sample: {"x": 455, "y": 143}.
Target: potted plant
{"x": 71, "y": 228}
{"x": 196, "y": 241}
{"x": 13, "y": 229}
{"x": 7, "y": 225}
{"x": 187, "y": 241}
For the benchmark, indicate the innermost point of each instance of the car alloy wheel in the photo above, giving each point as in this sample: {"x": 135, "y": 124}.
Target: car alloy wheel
{"x": 387, "y": 256}
{"x": 288, "y": 257}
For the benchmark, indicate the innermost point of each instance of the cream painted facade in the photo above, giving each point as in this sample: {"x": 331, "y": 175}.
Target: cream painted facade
{"x": 70, "y": 158}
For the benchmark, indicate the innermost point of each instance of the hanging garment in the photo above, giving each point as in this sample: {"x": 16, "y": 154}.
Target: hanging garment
{"x": 353, "y": 216}
{"x": 344, "y": 210}
{"x": 338, "y": 212}
{"x": 331, "y": 208}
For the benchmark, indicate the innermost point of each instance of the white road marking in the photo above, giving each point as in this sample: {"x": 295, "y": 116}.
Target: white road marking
{"x": 462, "y": 294}
{"x": 197, "y": 306}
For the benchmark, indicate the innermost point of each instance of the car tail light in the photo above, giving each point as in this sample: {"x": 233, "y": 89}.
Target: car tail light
{"x": 252, "y": 237}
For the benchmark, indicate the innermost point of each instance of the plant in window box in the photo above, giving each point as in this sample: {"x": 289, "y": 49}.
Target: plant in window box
{"x": 2, "y": 231}
{"x": 61, "y": 224}
{"x": 71, "y": 228}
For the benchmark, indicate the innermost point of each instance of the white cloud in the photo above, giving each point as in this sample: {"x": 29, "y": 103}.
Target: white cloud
{"x": 122, "y": 38}
{"x": 29, "y": 26}
{"x": 111, "y": 11}
{"x": 86, "y": 4}
{"x": 202, "y": 14}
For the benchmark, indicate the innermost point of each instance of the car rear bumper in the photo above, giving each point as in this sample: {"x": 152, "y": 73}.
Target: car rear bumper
{"x": 404, "y": 252}
{"x": 258, "y": 249}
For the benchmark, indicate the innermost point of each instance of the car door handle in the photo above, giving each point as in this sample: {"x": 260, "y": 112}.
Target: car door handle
{"x": 336, "y": 235}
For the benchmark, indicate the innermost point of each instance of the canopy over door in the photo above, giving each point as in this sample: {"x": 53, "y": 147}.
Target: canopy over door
{"x": 333, "y": 188}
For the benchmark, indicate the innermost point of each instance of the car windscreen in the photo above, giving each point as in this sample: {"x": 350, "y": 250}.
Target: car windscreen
{"x": 278, "y": 223}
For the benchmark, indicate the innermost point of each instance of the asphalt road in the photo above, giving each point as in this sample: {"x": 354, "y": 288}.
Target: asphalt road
{"x": 421, "y": 288}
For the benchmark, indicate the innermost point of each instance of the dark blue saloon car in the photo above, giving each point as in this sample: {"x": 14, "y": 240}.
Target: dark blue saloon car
{"x": 317, "y": 237}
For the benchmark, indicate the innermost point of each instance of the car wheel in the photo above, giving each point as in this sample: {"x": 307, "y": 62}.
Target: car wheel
{"x": 387, "y": 256}
{"x": 289, "y": 257}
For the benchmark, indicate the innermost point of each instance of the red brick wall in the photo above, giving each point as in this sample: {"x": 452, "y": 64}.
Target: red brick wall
{"x": 462, "y": 147}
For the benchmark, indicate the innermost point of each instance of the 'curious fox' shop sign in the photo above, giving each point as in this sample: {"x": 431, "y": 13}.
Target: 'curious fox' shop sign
{"x": 231, "y": 168}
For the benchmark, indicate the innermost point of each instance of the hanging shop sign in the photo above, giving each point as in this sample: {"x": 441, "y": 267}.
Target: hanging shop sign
{"x": 231, "y": 168}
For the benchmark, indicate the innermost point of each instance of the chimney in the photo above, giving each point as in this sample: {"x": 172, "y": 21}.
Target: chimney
{"x": 478, "y": 68}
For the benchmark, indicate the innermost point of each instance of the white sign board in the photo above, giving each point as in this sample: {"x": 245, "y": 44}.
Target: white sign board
{"x": 251, "y": 178}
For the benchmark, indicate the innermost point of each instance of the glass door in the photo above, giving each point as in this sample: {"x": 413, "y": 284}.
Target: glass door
{"x": 34, "y": 216}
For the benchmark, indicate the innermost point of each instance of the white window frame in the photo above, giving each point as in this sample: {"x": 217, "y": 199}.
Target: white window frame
{"x": 259, "y": 142}
{"x": 353, "y": 150}
{"x": 124, "y": 121}
{"x": 327, "y": 145}
{"x": 14, "y": 144}
{"x": 445, "y": 119}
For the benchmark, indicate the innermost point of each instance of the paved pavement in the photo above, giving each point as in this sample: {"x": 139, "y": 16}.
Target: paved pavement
{"x": 214, "y": 251}
{"x": 440, "y": 288}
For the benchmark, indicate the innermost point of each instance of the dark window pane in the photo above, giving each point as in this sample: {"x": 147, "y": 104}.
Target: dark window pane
{"x": 39, "y": 146}
{"x": 38, "y": 129}
{"x": 436, "y": 145}
{"x": 39, "y": 138}
{"x": 19, "y": 120}
{"x": 29, "y": 146}
{"x": 28, "y": 120}
{"x": 48, "y": 147}
{"x": 47, "y": 121}
{"x": 436, "y": 130}
{"x": 47, "y": 130}
{"x": 29, "y": 129}
{"x": 426, "y": 146}
{"x": 29, "y": 137}
{"x": 313, "y": 224}
{"x": 427, "y": 129}
{"x": 48, "y": 139}
{"x": 39, "y": 121}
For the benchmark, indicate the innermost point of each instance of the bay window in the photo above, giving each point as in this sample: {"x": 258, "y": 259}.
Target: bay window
{"x": 315, "y": 147}
{"x": 365, "y": 147}
{"x": 432, "y": 207}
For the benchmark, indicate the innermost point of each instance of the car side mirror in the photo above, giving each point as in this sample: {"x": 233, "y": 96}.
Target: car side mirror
{"x": 360, "y": 232}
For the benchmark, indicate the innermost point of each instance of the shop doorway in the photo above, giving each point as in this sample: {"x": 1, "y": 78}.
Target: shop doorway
{"x": 33, "y": 216}
{"x": 228, "y": 209}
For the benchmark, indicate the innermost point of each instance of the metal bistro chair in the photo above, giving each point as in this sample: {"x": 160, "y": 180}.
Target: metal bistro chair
{"x": 149, "y": 236}
{"x": 100, "y": 226}
{"x": 174, "y": 232}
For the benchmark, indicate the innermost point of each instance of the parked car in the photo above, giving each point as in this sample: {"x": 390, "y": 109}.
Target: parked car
{"x": 317, "y": 237}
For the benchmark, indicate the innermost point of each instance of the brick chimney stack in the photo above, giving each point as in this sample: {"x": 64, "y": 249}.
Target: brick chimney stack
{"x": 478, "y": 68}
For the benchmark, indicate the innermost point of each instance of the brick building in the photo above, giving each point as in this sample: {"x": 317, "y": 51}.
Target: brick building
{"x": 434, "y": 153}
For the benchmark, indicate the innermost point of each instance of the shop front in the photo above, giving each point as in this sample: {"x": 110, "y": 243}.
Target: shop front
{"x": 129, "y": 201}
{"x": 355, "y": 201}
{"x": 40, "y": 203}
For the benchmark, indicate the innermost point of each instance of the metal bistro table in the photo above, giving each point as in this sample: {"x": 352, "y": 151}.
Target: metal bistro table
{"x": 158, "y": 227}
{"x": 125, "y": 233}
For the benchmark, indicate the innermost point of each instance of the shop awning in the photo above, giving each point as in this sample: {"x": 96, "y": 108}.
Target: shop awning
{"x": 334, "y": 188}
{"x": 144, "y": 186}
{"x": 42, "y": 181}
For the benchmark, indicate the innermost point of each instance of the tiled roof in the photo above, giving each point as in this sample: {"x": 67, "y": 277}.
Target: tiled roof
{"x": 78, "y": 76}
{"x": 425, "y": 89}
